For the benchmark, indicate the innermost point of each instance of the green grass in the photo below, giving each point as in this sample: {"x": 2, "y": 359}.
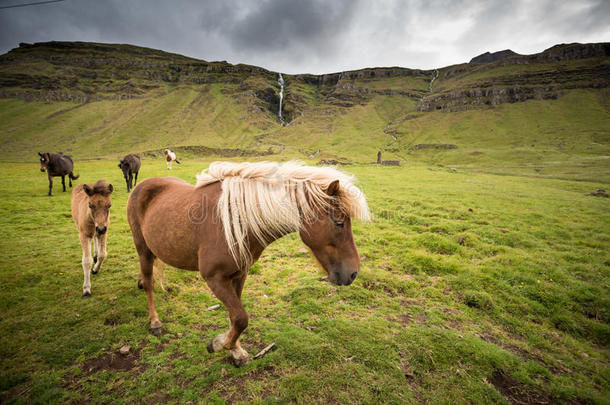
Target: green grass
{"x": 468, "y": 280}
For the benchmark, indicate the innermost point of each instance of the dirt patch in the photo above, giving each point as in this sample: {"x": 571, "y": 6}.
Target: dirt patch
{"x": 517, "y": 392}
{"x": 114, "y": 361}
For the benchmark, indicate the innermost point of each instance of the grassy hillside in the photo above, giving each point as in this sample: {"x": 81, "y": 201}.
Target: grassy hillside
{"x": 539, "y": 115}
{"x": 474, "y": 288}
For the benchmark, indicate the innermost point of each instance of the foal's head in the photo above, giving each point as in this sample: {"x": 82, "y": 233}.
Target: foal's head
{"x": 329, "y": 236}
{"x": 45, "y": 159}
{"x": 99, "y": 204}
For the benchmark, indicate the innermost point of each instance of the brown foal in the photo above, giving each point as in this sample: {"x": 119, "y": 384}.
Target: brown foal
{"x": 90, "y": 211}
{"x": 221, "y": 226}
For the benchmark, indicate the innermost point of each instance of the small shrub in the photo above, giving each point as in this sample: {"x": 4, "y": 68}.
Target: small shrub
{"x": 478, "y": 299}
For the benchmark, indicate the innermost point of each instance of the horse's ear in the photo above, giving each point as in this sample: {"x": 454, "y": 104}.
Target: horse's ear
{"x": 88, "y": 189}
{"x": 39, "y": 154}
{"x": 333, "y": 188}
{"x": 110, "y": 188}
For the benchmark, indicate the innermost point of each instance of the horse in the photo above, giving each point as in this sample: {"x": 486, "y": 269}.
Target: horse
{"x": 57, "y": 164}
{"x": 90, "y": 211}
{"x": 169, "y": 158}
{"x": 130, "y": 165}
{"x": 221, "y": 226}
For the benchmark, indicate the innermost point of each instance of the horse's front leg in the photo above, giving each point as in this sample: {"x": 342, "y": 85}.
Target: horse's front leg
{"x": 87, "y": 261}
{"x": 147, "y": 260}
{"x": 63, "y": 182}
{"x": 50, "y": 184}
{"x": 100, "y": 252}
{"x": 224, "y": 289}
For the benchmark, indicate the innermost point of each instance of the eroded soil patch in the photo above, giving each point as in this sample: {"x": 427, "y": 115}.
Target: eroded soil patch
{"x": 114, "y": 361}
{"x": 516, "y": 392}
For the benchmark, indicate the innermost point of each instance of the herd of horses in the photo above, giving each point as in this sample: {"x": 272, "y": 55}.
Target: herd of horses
{"x": 221, "y": 225}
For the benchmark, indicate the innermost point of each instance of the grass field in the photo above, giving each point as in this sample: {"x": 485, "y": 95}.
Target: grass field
{"x": 474, "y": 288}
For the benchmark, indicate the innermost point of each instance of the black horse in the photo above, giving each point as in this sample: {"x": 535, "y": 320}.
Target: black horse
{"x": 130, "y": 165}
{"x": 57, "y": 164}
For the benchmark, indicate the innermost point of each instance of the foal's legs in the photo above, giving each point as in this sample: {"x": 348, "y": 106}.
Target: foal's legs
{"x": 136, "y": 180}
{"x": 130, "y": 182}
{"x": 228, "y": 290}
{"x": 63, "y": 182}
{"x": 146, "y": 269}
{"x": 99, "y": 242}
{"x": 50, "y": 184}
{"x": 87, "y": 261}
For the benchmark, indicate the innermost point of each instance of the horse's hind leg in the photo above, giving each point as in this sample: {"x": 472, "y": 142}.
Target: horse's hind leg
{"x": 225, "y": 290}
{"x": 146, "y": 269}
{"x": 136, "y": 180}
{"x": 63, "y": 182}
{"x": 87, "y": 261}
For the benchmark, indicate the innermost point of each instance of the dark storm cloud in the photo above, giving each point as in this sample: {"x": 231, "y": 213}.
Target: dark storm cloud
{"x": 314, "y": 35}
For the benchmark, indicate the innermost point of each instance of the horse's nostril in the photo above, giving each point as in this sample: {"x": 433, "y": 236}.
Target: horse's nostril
{"x": 100, "y": 230}
{"x": 353, "y": 276}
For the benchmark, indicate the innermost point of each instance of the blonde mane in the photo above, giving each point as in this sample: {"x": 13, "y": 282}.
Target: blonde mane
{"x": 267, "y": 200}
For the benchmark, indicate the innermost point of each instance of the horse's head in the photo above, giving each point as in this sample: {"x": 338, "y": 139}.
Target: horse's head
{"x": 99, "y": 204}
{"x": 166, "y": 151}
{"x": 329, "y": 236}
{"x": 45, "y": 159}
{"x": 124, "y": 166}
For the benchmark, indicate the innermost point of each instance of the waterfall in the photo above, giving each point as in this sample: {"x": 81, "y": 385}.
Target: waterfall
{"x": 433, "y": 79}
{"x": 280, "y": 81}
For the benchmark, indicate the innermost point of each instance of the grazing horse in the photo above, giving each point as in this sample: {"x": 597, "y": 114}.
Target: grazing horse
{"x": 169, "y": 158}
{"x": 130, "y": 165}
{"x": 90, "y": 211}
{"x": 221, "y": 226}
{"x": 57, "y": 164}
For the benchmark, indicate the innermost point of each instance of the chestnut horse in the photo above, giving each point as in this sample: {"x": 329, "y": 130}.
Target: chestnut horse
{"x": 90, "y": 211}
{"x": 221, "y": 226}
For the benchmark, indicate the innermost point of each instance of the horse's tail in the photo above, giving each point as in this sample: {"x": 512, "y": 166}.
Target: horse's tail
{"x": 73, "y": 177}
{"x": 177, "y": 161}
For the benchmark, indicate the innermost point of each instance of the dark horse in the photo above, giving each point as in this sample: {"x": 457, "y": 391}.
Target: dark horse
{"x": 221, "y": 226}
{"x": 57, "y": 164}
{"x": 130, "y": 165}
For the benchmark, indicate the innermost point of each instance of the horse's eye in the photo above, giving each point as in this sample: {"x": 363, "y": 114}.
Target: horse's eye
{"x": 109, "y": 205}
{"x": 338, "y": 224}
{"x": 91, "y": 206}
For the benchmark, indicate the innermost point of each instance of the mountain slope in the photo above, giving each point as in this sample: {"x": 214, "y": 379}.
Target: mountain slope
{"x": 515, "y": 110}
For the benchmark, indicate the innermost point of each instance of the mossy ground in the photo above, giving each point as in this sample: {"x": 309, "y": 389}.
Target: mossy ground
{"x": 474, "y": 288}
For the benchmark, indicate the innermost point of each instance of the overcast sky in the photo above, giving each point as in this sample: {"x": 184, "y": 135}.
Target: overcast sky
{"x": 314, "y": 36}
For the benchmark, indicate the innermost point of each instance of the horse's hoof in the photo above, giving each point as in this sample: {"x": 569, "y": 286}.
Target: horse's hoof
{"x": 240, "y": 362}
{"x": 87, "y": 294}
{"x": 140, "y": 285}
{"x": 157, "y": 331}
{"x": 95, "y": 259}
